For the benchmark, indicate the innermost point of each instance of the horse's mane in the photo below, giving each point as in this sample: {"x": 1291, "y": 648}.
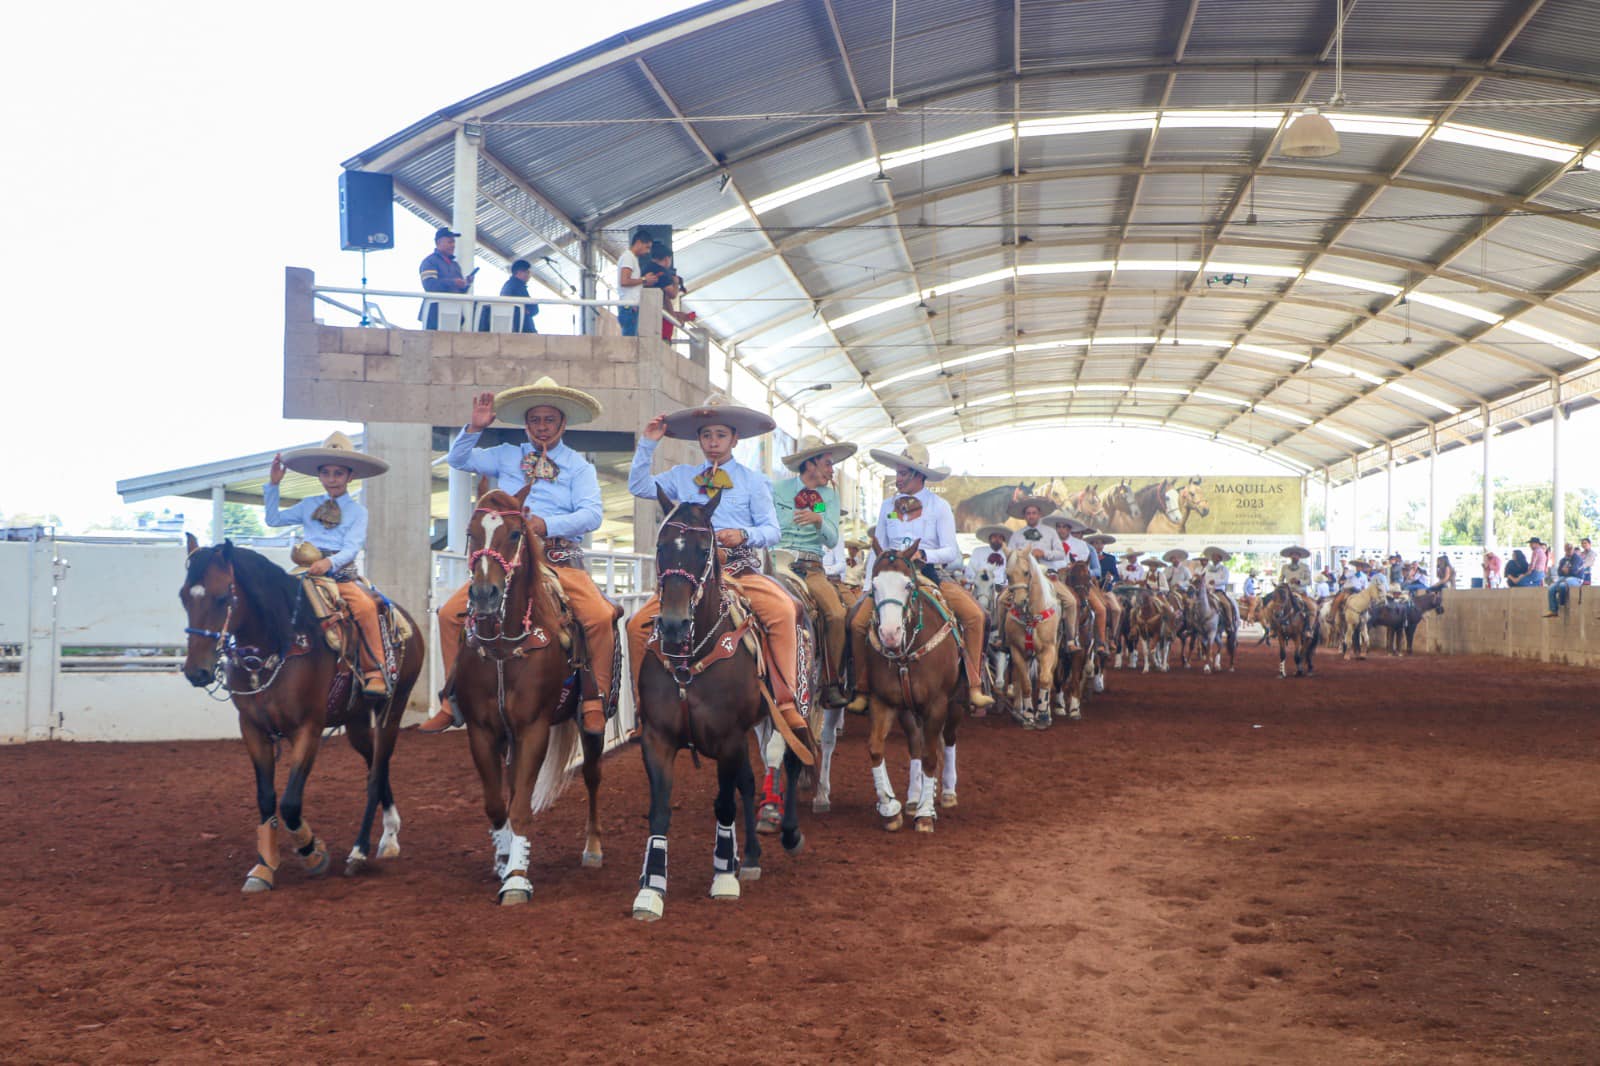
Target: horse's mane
{"x": 1037, "y": 574}
{"x": 272, "y": 594}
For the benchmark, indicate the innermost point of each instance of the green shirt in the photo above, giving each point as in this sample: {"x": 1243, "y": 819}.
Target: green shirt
{"x": 814, "y": 539}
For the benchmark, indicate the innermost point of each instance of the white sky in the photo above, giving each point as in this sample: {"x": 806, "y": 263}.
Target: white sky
{"x": 170, "y": 159}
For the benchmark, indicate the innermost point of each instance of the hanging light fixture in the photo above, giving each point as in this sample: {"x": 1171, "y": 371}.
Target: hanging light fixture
{"x": 1311, "y": 135}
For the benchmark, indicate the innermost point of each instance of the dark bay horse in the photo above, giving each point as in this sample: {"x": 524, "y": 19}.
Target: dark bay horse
{"x": 518, "y": 691}
{"x": 1123, "y": 513}
{"x": 700, "y": 688}
{"x": 252, "y": 631}
{"x": 1401, "y": 617}
{"x": 1292, "y": 619}
{"x": 913, "y": 671}
{"x": 990, "y": 507}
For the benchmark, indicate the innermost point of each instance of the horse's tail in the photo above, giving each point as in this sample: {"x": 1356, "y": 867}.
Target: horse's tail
{"x": 560, "y": 764}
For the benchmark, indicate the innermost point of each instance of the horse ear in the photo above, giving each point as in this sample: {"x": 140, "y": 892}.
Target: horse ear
{"x": 522, "y": 496}
{"x": 483, "y": 487}
{"x": 667, "y": 502}
{"x": 191, "y": 544}
{"x": 912, "y": 549}
{"x": 711, "y": 505}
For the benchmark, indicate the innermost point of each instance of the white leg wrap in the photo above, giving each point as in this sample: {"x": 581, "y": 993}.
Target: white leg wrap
{"x": 389, "y": 843}
{"x": 521, "y": 849}
{"x": 501, "y": 837}
{"x": 1099, "y": 682}
{"x": 914, "y": 784}
{"x": 773, "y": 752}
{"x": 725, "y": 857}
{"x": 888, "y": 806}
{"x": 1118, "y": 663}
{"x": 950, "y": 768}
{"x": 925, "y": 805}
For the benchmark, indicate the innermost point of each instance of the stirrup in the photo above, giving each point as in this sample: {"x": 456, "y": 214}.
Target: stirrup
{"x": 858, "y": 705}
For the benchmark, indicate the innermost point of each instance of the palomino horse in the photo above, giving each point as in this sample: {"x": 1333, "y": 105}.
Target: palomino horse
{"x": 701, "y": 688}
{"x": 252, "y": 631}
{"x": 1176, "y": 507}
{"x": 1350, "y": 620}
{"x": 914, "y": 676}
{"x": 518, "y": 690}
{"x": 1031, "y": 625}
{"x": 1123, "y": 514}
{"x": 1086, "y": 502}
{"x": 1401, "y": 617}
{"x": 1292, "y": 619}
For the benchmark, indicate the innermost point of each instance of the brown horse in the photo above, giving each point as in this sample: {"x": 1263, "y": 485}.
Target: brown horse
{"x": 1292, "y": 619}
{"x": 1151, "y": 629}
{"x": 518, "y": 690}
{"x": 253, "y": 633}
{"x": 700, "y": 688}
{"x": 1176, "y": 506}
{"x": 1123, "y": 514}
{"x": 913, "y": 672}
{"x": 1088, "y": 505}
{"x": 1032, "y": 618}
{"x": 1089, "y": 660}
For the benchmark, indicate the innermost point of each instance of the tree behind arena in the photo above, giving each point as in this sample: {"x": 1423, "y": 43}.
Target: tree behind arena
{"x": 241, "y": 520}
{"x": 1521, "y": 511}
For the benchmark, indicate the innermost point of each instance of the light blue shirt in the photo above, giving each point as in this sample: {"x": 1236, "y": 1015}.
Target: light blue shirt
{"x": 338, "y": 545}
{"x": 570, "y": 505}
{"x": 746, "y": 506}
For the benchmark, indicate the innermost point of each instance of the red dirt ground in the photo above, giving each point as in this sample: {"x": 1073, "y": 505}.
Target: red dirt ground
{"x": 1392, "y": 862}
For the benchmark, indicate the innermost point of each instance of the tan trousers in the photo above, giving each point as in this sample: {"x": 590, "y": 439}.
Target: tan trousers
{"x": 368, "y": 636}
{"x": 771, "y": 603}
{"x": 962, "y": 605}
{"x": 832, "y": 609}
{"x": 1069, "y": 612}
{"x": 594, "y": 612}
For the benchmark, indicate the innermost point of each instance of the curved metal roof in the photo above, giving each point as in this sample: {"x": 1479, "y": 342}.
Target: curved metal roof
{"x": 1086, "y": 217}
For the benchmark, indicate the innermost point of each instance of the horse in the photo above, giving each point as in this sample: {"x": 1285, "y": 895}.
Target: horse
{"x": 1208, "y": 627}
{"x": 1123, "y": 513}
{"x": 1152, "y": 629}
{"x": 253, "y": 632}
{"x": 1401, "y": 617}
{"x": 518, "y": 691}
{"x": 915, "y": 678}
{"x": 1292, "y": 619}
{"x": 1088, "y": 505}
{"x": 701, "y": 688}
{"x": 1031, "y": 623}
{"x": 990, "y": 507}
{"x": 825, "y": 722}
{"x": 1351, "y": 620}
{"x": 1087, "y": 662}
{"x": 1176, "y": 507}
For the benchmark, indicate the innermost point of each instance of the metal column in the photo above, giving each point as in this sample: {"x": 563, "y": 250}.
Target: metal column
{"x": 1488, "y": 483}
{"x": 1433, "y": 495}
{"x": 1558, "y": 502}
{"x": 464, "y": 194}
{"x": 588, "y": 285}
{"x": 1355, "y": 506}
{"x": 1327, "y": 519}
{"x": 219, "y": 513}
{"x": 1388, "y": 487}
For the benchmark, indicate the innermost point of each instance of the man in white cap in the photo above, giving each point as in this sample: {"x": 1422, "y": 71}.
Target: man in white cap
{"x": 563, "y": 507}
{"x": 808, "y": 522}
{"x": 1042, "y": 541}
{"x": 744, "y": 521}
{"x": 916, "y": 513}
{"x": 336, "y": 525}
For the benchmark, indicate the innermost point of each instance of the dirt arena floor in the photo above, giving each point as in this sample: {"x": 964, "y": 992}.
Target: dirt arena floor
{"x": 1392, "y": 862}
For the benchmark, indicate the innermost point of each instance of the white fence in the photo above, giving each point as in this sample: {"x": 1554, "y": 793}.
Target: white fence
{"x": 91, "y": 639}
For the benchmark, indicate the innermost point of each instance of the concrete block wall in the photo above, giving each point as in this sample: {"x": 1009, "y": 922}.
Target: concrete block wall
{"x": 1511, "y": 622}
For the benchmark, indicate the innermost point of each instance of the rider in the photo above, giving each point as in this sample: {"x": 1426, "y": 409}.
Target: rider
{"x": 808, "y": 518}
{"x": 916, "y": 513}
{"x": 1218, "y": 577}
{"x": 855, "y": 565}
{"x": 1133, "y": 573}
{"x": 744, "y": 521}
{"x": 1109, "y": 576}
{"x": 1181, "y": 576}
{"x": 563, "y": 506}
{"x": 1071, "y": 531}
{"x": 1108, "y": 611}
{"x": 990, "y": 555}
{"x": 336, "y": 525}
{"x": 1294, "y": 576}
{"x": 1044, "y": 543}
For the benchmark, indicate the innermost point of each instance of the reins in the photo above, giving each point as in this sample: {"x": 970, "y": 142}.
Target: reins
{"x": 501, "y": 637}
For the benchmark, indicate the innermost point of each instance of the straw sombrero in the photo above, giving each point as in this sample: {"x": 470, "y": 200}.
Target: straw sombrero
{"x": 985, "y": 532}
{"x": 1176, "y": 555}
{"x": 1100, "y": 540}
{"x": 512, "y": 405}
{"x": 1044, "y": 503}
{"x": 337, "y": 450}
{"x": 1131, "y": 553}
{"x": 1294, "y": 551}
{"x": 1216, "y": 554}
{"x": 1153, "y": 564}
{"x": 718, "y": 411}
{"x": 915, "y": 457}
{"x": 1074, "y": 526}
{"x": 811, "y": 447}
{"x": 857, "y": 543}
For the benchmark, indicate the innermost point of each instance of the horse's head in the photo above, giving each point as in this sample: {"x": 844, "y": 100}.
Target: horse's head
{"x": 1430, "y": 600}
{"x": 1171, "y": 502}
{"x": 1078, "y": 577}
{"x": 1191, "y": 498}
{"x": 1120, "y": 498}
{"x": 686, "y": 565}
{"x": 1019, "y": 577}
{"x": 894, "y": 587}
{"x": 213, "y": 605}
{"x": 983, "y": 587}
{"x": 498, "y": 546}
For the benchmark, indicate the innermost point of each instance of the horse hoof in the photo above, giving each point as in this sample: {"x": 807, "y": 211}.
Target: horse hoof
{"x": 1207, "y": 669}
{"x": 799, "y": 845}
{"x": 749, "y": 873}
{"x": 725, "y": 887}
{"x": 924, "y": 825}
{"x": 514, "y": 897}
{"x": 593, "y": 860}
{"x": 388, "y": 848}
{"x": 769, "y": 819}
{"x": 893, "y": 824}
{"x": 354, "y": 863}
{"x": 1076, "y": 716}
{"x": 948, "y": 800}
{"x": 821, "y": 806}
{"x": 254, "y": 885}
{"x": 649, "y": 905}
{"x": 319, "y": 860}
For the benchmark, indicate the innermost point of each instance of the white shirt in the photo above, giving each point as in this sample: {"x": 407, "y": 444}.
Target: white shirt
{"x": 1181, "y": 575}
{"x": 978, "y": 562}
{"x": 1356, "y": 581}
{"x": 1133, "y": 572}
{"x": 1047, "y": 541}
{"x": 833, "y": 560}
{"x": 629, "y": 295}
{"x": 1218, "y": 576}
{"x": 1321, "y": 590}
{"x": 935, "y": 527}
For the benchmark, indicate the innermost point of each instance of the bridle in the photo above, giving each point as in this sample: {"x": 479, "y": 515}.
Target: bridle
{"x": 231, "y": 655}
{"x": 904, "y": 654}
{"x": 474, "y": 638}
{"x": 679, "y": 661}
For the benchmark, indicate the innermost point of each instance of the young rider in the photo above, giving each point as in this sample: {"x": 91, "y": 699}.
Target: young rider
{"x": 563, "y": 506}
{"x": 336, "y": 525}
{"x": 808, "y": 520}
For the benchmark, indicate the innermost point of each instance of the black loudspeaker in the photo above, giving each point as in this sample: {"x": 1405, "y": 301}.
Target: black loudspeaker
{"x": 658, "y": 235}
{"x": 366, "y": 211}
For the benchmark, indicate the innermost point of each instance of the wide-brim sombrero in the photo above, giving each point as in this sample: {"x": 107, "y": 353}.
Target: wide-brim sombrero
{"x": 1294, "y": 551}
{"x": 1100, "y": 540}
{"x": 1075, "y": 526}
{"x": 337, "y": 450}
{"x": 985, "y": 532}
{"x": 915, "y": 457}
{"x": 811, "y": 447}
{"x": 512, "y": 405}
{"x": 1131, "y": 553}
{"x": 1044, "y": 503}
{"x": 718, "y": 411}
{"x": 1153, "y": 564}
{"x": 857, "y": 543}
{"x": 1176, "y": 555}
{"x": 1212, "y": 551}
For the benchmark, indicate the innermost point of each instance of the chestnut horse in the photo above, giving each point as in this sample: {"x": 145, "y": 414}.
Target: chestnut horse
{"x": 913, "y": 673}
{"x": 700, "y": 688}
{"x": 252, "y": 632}
{"x": 1176, "y": 505}
{"x": 518, "y": 691}
{"x": 1123, "y": 514}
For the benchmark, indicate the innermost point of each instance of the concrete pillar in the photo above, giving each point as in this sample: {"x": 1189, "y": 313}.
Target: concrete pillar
{"x": 589, "y": 285}
{"x": 1558, "y": 503}
{"x": 1488, "y": 482}
{"x": 219, "y": 517}
{"x": 399, "y": 558}
{"x": 464, "y": 194}
{"x": 1355, "y": 505}
{"x": 1388, "y": 488}
{"x": 650, "y": 314}
{"x": 1433, "y": 494}
{"x": 1327, "y": 519}
{"x": 461, "y": 489}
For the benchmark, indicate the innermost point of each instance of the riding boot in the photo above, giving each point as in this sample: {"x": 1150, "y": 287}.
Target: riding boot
{"x": 966, "y": 609}
{"x": 860, "y": 622}
{"x": 594, "y": 717}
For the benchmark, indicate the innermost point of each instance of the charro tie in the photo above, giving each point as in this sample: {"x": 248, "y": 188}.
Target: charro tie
{"x": 328, "y": 513}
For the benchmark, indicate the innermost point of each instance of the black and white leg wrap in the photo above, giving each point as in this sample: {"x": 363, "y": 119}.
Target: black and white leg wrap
{"x": 654, "y": 875}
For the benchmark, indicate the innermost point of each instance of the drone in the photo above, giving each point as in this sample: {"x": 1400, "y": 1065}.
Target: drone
{"x": 1228, "y": 279}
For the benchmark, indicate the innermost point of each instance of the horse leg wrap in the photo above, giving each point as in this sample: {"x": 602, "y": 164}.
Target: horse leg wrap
{"x": 518, "y": 853}
{"x": 925, "y": 806}
{"x": 914, "y": 784}
{"x": 654, "y": 874}
{"x": 501, "y": 836}
{"x": 389, "y": 843}
{"x": 262, "y": 875}
{"x": 950, "y": 768}
{"x": 725, "y": 859}
{"x": 312, "y": 851}
{"x": 888, "y": 806}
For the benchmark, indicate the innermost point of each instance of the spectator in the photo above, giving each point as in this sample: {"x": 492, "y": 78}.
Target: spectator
{"x": 1323, "y": 588}
{"x": 1395, "y": 568}
{"x": 441, "y": 273}
{"x": 1491, "y": 570}
{"x": 516, "y": 285}
{"x": 631, "y": 282}
{"x": 1412, "y": 579}
{"x": 1579, "y": 567}
{"x": 673, "y": 289}
{"x": 1517, "y": 568}
{"x": 1445, "y": 573}
{"x": 1538, "y": 565}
